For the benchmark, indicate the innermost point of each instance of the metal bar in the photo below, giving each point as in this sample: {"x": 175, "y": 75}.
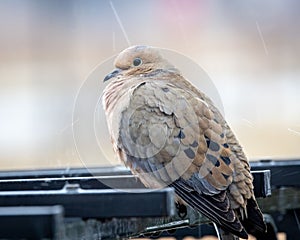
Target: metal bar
{"x": 284, "y": 172}
{"x": 66, "y": 172}
{"x": 57, "y": 183}
{"x": 261, "y": 183}
{"x": 125, "y": 180}
{"x": 31, "y": 222}
{"x": 97, "y": 203}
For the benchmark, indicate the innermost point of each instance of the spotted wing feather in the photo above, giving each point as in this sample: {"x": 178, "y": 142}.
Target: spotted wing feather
{"x": 171, "y": 137}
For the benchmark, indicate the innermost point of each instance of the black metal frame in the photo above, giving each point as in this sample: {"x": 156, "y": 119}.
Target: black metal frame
{"x": 87, "y": 194}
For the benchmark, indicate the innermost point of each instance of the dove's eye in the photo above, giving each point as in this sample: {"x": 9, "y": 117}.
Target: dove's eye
{"x": 137, "y": 62}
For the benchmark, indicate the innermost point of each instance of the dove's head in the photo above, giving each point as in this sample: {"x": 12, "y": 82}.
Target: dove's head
{"x": 137, "y": 60}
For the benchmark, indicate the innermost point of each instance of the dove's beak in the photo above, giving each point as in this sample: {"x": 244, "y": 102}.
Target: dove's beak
{"x": 112, "y": 74}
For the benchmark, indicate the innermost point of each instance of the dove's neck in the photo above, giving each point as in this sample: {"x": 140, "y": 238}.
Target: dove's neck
{"x": 117, "y": 93}
{"x": 112, "y": 93}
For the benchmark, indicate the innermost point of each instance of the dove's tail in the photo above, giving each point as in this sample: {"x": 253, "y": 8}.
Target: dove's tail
{"x": 216, "y": 208}
{"x": 254, "y": 223}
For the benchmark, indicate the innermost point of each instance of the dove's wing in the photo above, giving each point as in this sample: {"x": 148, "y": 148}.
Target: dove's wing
{"x": 170, "y": 137}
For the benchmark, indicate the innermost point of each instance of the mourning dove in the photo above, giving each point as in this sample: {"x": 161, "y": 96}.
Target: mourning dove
{"x": 169, "y": 133}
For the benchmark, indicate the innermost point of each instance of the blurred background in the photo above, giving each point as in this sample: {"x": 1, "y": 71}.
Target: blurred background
{"x": 250, "y": 50}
